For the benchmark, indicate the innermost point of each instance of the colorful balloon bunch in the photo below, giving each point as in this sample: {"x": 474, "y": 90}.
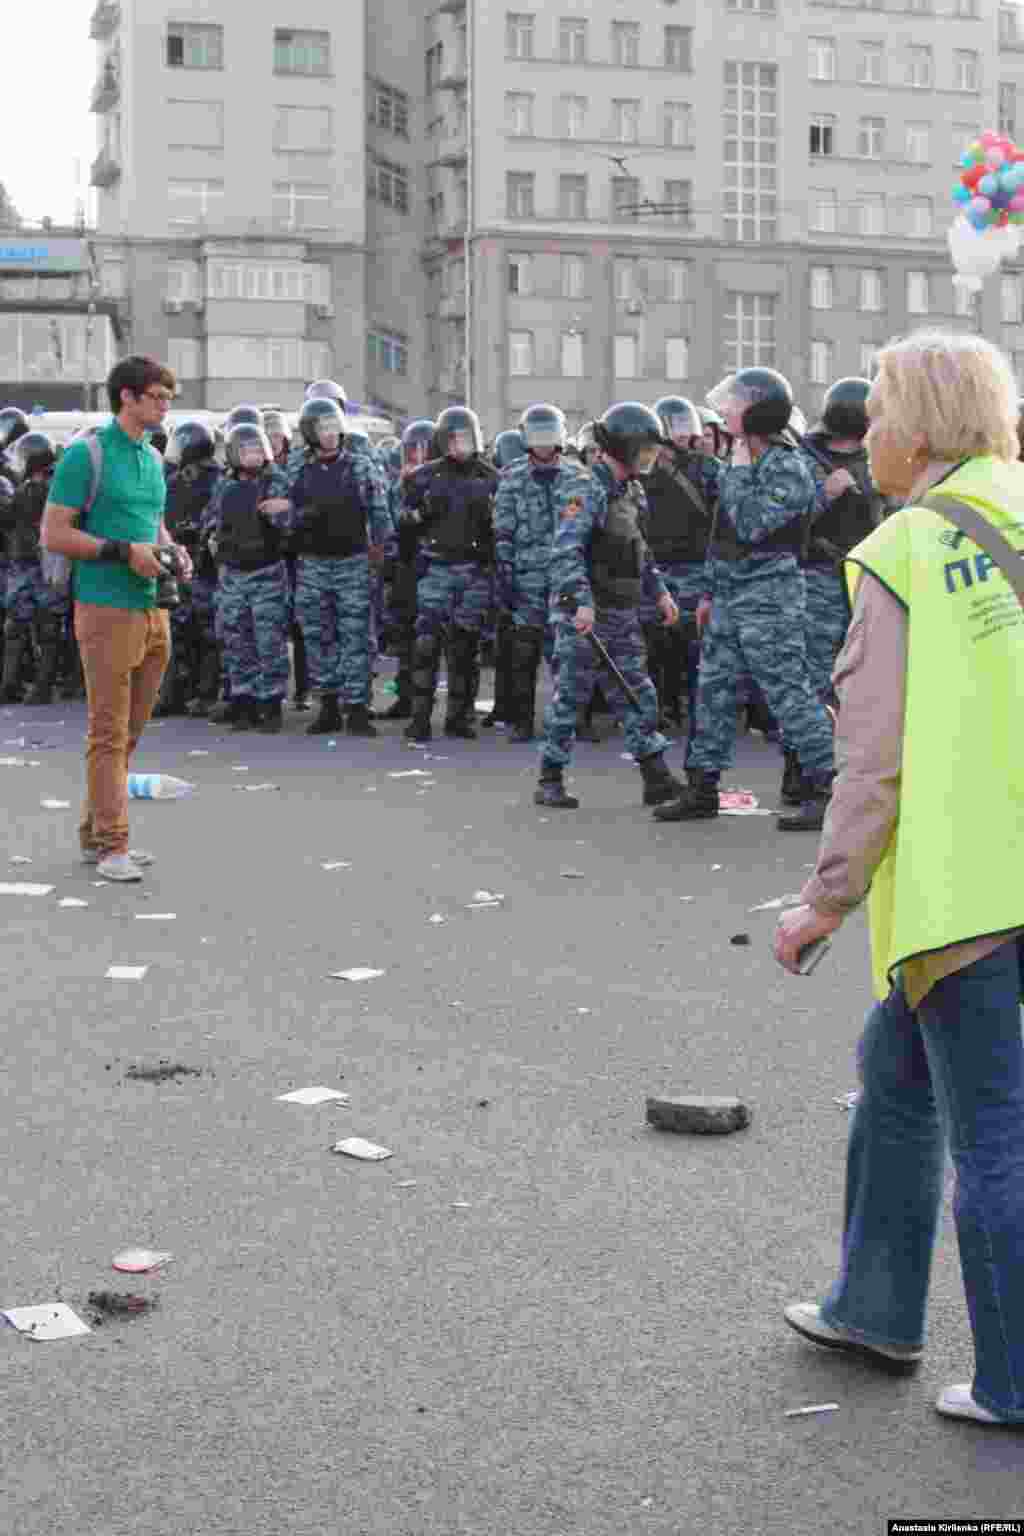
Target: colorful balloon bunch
{"x": 990, "y": 196}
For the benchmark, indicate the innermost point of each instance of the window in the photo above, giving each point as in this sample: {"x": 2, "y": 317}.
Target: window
{"x": 762, "y": 7}
{"x": 624, "y": 277}
{"x": 677, "y": 357}
{"x": 1010, "y": 299}
{"x": 194, "y": 47}
{"x": 625, "y": 43}
{"x": 1009, "y": 24}
{"x": 519, "y": 114}
{"x": 626, "y": 357}
{"x": 824, "y": 212}
{"x": 967, "y": 8}
{"x": 625, "y": 197}
{"x": 388, "y": 351}
{"x": 679, "y": 49}
{"x": 677, "y": 125}
{"x": 821, "y": 362}
{"x": 920, "y": 7}
{"x": 293, "y": 282}
{"x": 519, "y": 275}
{"x": 917, "y": 293}
{"x": 871, "y": 291}
{"x": 677, "y": 281}
{"x": 919, "y": 67}
{"x": 572, "y": 112}
{"x": 750, "y": 199}
{"x": 572, "y": 355}
{"x": 195, "y": 124}
{"x": 520, "y": 353}
{"x": 748, "y": 331}
{"x": 257, "y": 357}
{"x": 572, "y": 41}
{"x": 823, "y": 134}
{"x": 821, "y": 288}
{"x": 677, "y": 203}
{"x": 519, "y": 195}
{"x": 871, "y": 66}
{"x": 302, "y": 129}
{"x": 871, "y": 210}
{"x": 519, "y": 35}
{"x": 921, "y": 220}
{"x": 389, "y": 184}
{"x": 183, "y": 357}
{"x": 966, "y": 73}
{"x": 194, "y": 202}
{"x": 298, "y": 205}
{"x": 435, "y": 66}
{"x": 868, "y": 351}
{"x": 1008, "y": 108}
{"x": 389, "y": 109}
{"x": 871, "y": 137}
{"x": 821, "y": 58}
{"x": 919, "y": 143}
{"x": 182, "y": 281}
{"x": 574, "y": 277}
{"x": 572, "y": 197}
{"x": 626, "y": 121}
{"x": 302, "y": 53}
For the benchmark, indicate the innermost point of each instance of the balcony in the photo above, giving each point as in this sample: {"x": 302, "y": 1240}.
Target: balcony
{"x": 451, "y": 7}
{"x": 106, "y": 169}
{"x": 106, "y": 93}
{"x": 453, "y": 306}
{"x": 453, "y": 75}
{"x": 105, "y": 19}
{"x": 450, "y": 152}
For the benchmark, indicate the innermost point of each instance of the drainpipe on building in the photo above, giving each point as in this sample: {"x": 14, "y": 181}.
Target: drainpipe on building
{"x": 467, "y": 359}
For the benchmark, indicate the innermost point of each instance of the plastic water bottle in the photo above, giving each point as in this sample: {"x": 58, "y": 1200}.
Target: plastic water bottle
{"x": 157, "y": 786}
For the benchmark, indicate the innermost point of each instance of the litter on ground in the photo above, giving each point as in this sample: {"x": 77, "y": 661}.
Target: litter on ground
{"x": 139, "y": 1261}
{"x": 155, "y": 917}
{"x": 779, "y": 901}
{"x": 55, "y": 805}
{"x": 317, "y": 1095}
{"x": 126, "y": 972}
{"x": 356, "y": 973}
{"x": 412, "y": 773}
{"x": 336, "y": 864}
{"x": 53, "y": 1320}
{"x": 366, "y": 1151}
{"x": 72, "y": 901}
{"x": 253, "y": 788}
{"x": 25, "y": 888}
{"x": 800, "y": 1413}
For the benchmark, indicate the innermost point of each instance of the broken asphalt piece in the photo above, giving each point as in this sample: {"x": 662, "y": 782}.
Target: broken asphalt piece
{"x": 164, "y": 1072}
{"x": 356, "y": 973}
{"x": 412, "y": 773}
{"x": 572, "y": 874}
{"x": 126, "y": 972}
{"x": 336, "y": 864}
{"x": 55, "y": 805}
{"x": 255, "y": 788}
{"x": 365, "y": 1151}
{"x": 779, "y": 901}
{"x": 800, "y": 1413}
{"x": 139, "y": 1261}
{"x": 24, "y": 888}
{"x": 53, "y": 1320}
{"x": 704, "y": 1115}
{"x": 120, "y": 1303}
{"x": 740, "y": 938}
{"x": 317, "y": 1095}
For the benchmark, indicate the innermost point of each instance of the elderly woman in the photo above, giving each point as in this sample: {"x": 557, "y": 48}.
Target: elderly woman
{"x": 928, "y": 810}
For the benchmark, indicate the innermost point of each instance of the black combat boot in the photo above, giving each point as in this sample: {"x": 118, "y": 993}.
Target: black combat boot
{"x": 794, "y": 788}
{"x": 660, "y": 786}
{"x": 697, "y": 802}
{"x": 269, "y": 718}
{"x": 246, "y": 716}
{"x": 329, "y": 719}
{"x": 227, "y": 713}
{"x": 18, "y": 639}
{"x": 301, "y": 699}
{"x": 809, "y": 816}
{"x": 527, "y": 644}
{"x": 463, "y": 678}
{"x": 359, "y": 721}
{"x": 418, "y": 728}
{"x": 551, "y": 791}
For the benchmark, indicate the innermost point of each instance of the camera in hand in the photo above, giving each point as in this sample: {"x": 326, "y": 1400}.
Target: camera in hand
{"x": 168, "y": 594}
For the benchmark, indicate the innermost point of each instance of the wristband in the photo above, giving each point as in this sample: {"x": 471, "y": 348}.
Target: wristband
{"x": 118, "y": 550}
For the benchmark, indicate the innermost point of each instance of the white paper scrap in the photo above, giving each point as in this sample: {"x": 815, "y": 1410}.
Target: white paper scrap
{"x": 13, "y": 762}
{"x": 126, "y": 972}
{"x": 253, "y": 788}
{"x": 487, "y": 896}
{"x": 780, "y": 901}
{"x": 318, "y": 1095}
{"x": 240, "y": 768}
{"x": 336, "y": 864}
{"x": 24, "y": 888}
{"x": 55, "y": 805}
{"x": 366, "y": 1151}
{"x": 412, "y": 773}
{"x": 199, "y": 752}
{"x": 155, "y": 917}
{"x": 72, "y": 901}
{"x": 482, "y": 906}
{"x": 461, "y": 1205}
{"x": 139, "y": 1261}
{"x": 19, "y": 858}
{"x": 849, "y": 1100}
{"x": 799, "y": 1413}
{"x": 356, "y": 973}
{"x": 437, "y": 917}
{"x": 53, "y": 1320}
{"x": 406, "y": 1184}
{"x": 745, "y": 810}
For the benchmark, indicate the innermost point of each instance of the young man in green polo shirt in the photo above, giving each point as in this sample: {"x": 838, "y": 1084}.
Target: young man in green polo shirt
{"x": 123, "y": 637}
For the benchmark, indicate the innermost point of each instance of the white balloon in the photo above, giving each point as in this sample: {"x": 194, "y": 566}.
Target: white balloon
{"x": 977, "y": 254}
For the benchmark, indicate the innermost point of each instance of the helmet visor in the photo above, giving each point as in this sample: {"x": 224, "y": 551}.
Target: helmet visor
{"x": 678, "y": 426}
{"x": 542, "y": 434}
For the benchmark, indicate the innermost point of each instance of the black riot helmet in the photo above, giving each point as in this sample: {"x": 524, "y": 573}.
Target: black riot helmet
{"x": 765, "y": 397}
{"x": 586, "y": 441}
{"x": 417, "y": 440}
{"x": 844, "y": 413}
{"x": 680, "y": 419}
{"x": 243, "y": 413}
{"x": 191, "y": 443}
{"x": 631, "y": 434}
{"x": 326, "y": 389}
{"x": 508, "y": 447}
{"x": 32, "y": 452}
{"x": 13, "y": 424}
{"x": 248, "y": 447}
{"x": 543, "y": 426}
{"x": 322, "y": 423}
{"x": 458, "y": 433}
{"x": 275, "y": 420}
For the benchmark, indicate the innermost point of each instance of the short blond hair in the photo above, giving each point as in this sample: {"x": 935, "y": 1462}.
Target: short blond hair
{"x": 954, "y": 389}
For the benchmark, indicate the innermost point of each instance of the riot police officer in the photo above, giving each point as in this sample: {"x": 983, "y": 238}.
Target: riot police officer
{"x": 400, "y": 565}
{"x": 35, "y": 611}
{"x": 192, "y": 678}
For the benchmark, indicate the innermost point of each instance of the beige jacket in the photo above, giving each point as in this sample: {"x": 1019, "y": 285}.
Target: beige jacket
{"x": 870, "y": 681}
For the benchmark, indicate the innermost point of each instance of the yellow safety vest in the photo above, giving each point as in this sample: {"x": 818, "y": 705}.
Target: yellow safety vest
{"x": 954, "y": 867}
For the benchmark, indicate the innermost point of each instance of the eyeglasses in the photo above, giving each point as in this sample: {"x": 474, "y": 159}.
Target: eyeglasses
{"x": 159, "y": 395}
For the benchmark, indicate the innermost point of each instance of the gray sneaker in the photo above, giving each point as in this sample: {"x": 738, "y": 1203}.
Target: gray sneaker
{"x": 118, "y": 866}
{"x": 806, "y": 1318}
{"x": 137, "y": 855}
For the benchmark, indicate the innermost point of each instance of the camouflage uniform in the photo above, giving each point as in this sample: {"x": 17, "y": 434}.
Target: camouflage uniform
{"x": 600, "y": 558}
{"x": 36, "y": 612}
{"x": 757, "y": 621}
{"x": 253, "y": 598}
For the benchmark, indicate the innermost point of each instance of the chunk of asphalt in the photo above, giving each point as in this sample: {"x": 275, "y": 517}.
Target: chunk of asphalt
{"x": 698, "y": 1115}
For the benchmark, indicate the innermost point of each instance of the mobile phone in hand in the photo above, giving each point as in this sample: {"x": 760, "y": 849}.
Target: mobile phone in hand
{"x": 811, "y": 954}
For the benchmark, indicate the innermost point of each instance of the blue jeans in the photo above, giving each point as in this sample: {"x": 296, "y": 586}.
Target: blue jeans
{"x": 950, "y": 1073}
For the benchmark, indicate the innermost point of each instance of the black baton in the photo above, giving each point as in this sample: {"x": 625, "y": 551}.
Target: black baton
{"x": 569, "y": 605}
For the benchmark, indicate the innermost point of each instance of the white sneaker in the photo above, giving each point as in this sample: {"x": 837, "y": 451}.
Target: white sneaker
{"x": 137, "y": 855}
{"x": 118, "y": 866}
{"x": 956, "y": 1402}
{"x": 806, "y": 1318}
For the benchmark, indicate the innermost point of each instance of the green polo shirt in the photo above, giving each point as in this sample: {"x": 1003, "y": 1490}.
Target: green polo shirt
{"x": 130, "y": 505}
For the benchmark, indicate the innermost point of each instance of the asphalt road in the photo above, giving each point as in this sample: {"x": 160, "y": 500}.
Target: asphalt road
{"x": 538, "y": 1318}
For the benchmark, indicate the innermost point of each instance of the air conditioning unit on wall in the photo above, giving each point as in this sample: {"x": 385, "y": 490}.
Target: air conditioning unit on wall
{"x": 173, "y": 306}
{"x": 324, "y": 311}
